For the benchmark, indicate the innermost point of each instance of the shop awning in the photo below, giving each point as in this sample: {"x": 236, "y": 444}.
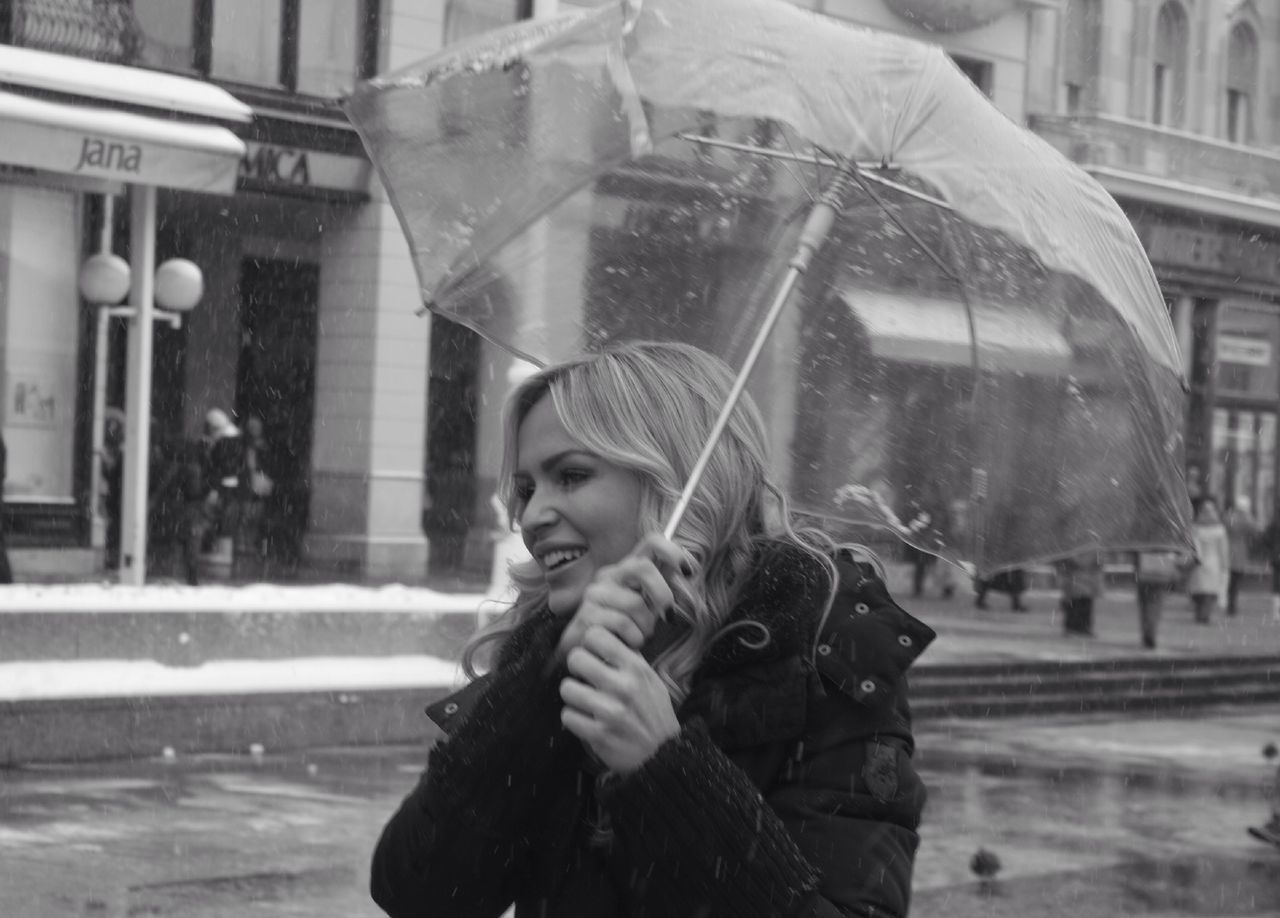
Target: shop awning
{"x": 101, "y": 143}
{"x": 919, "y": 329}
{"x": 64, "y": 114}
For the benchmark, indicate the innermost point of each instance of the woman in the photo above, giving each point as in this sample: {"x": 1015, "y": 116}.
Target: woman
{"x": 713, "y": 726}
{"x": 1207, "y": 583}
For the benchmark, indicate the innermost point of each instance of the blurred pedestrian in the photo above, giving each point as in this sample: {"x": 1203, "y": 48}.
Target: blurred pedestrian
{"x": 1271, "y": 547}
{"x": 112, "y": 464}
{"x": 1155, "y": 575}
{"x": 256, "y": 507}
{"x": 1012, "y": 581}
{"x": 1242, "y": 535}
{"x": 6, "y": 572}
{"x": 226, "y": 471}
{"x": 1081, "y": 580}
{"x": 1207, "y": 582}
{"x": 1270, "y": 830}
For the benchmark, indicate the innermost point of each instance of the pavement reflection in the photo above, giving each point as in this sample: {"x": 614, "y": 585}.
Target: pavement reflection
{"x": 1087, "y": 816}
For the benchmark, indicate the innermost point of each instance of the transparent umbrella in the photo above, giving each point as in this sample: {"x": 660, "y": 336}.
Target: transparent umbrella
{"x": 972, "y": 352}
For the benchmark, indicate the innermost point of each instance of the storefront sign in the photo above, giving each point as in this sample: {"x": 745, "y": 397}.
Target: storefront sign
{"x": 1234, "y": 349}
{"x": 269, "y": 167}
{"x": 1247, "y": 342}
{"x": 1246, "y": 256}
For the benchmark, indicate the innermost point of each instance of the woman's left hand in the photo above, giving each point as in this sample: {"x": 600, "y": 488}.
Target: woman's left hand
{"x": 615, "y": 703}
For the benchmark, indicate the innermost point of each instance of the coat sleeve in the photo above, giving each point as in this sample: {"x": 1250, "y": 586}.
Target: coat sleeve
{"x": 834, "y": 834}
{"x": 458, "y": 844}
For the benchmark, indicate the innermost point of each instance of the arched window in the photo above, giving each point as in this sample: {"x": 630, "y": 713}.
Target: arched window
{"x": 1169, "y": 67}
{"x": 1081, "y": 50}
{"x": 1242, "y": 81}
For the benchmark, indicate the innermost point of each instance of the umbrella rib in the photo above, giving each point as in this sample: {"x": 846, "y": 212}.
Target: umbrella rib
{"x": 867, "y": 170}
{"x": 902, "y": 225}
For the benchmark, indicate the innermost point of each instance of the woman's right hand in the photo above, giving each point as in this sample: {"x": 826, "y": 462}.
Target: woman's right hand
{"x": 628, "y": 599}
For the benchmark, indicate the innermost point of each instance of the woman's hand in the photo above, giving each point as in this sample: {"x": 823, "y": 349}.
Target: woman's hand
{"x": 628, "y": 598}
{"x": 615, "y": 703}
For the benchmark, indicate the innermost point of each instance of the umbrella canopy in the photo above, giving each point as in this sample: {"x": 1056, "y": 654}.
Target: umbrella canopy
{"x": 979, "y": 357}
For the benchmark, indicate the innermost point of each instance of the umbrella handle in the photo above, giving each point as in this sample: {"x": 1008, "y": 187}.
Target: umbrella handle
{"x": 812, "y": 237}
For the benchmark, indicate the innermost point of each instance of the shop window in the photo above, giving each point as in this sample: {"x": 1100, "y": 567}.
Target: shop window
{"x": 1242, "y": 77}
{"x": 1169, "y": 68}
{"x": 39, "y": 311}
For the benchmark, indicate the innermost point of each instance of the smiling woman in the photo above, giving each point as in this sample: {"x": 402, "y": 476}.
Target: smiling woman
{"x": 713, "y": 725}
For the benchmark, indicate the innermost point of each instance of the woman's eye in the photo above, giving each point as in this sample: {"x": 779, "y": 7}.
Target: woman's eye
{"x": 571, "y": 477}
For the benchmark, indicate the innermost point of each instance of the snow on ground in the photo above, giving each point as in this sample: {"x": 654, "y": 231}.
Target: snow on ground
{"x": 334, "y": 597}
{"x": 63, "y": 679}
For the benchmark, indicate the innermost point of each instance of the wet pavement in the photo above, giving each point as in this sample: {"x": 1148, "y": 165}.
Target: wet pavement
{"x": 1088, "y": 817}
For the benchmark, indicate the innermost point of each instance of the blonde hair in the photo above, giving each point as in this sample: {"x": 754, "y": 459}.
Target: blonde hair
{"x": 649, "y": 407}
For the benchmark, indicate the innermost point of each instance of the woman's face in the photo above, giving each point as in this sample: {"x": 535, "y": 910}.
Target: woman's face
{"x": 577, "y": 511}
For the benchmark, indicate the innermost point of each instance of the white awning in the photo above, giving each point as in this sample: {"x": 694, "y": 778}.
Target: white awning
{"x": 114, "y": 83}
{"x": 103, "y": 143}
{"x": 928, "y": 330}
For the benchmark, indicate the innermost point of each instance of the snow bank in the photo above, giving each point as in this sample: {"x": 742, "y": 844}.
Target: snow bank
{"x": 65, "y": 679}
{"x": 89, "y": 597}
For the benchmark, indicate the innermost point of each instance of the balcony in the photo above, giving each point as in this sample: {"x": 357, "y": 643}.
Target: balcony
{"x": 100, "y": 30}
{"x": 1162, "y": 166}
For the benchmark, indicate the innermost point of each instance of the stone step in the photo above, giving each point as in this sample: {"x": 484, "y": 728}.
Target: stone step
{"x": 1190, "y": 677}
{"x": 1004, "y": 705}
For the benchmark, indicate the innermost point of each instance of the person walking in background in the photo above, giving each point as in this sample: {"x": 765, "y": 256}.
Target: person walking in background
{"x": 226, "y": 470}
{"x": 1155, "y": 574}
{"x": 258, "y": 485}
{"x": 1271, "y": 547}
{"x": 6, "y": 572}
{"x": 112, "y": 464}
{"x": 1012, "y": 581}
{"x": 1081, "y": 580}
{"x": 1207, "y": 583}
{"x": 1269, "y": 831}
{"x": 1242, "y": 533}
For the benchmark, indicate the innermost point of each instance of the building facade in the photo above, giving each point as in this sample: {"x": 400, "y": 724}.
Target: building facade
{"x": 308, "y": 315}
{"x": 1172, "y": 106}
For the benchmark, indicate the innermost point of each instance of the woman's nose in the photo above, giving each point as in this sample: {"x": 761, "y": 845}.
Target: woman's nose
{"x": 538, "y": 513}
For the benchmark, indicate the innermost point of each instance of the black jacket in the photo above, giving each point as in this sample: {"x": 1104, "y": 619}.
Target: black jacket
{"x": 789, "y": 792}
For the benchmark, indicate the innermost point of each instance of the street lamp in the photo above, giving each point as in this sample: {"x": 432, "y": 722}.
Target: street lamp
{"x": 176, "y": 288}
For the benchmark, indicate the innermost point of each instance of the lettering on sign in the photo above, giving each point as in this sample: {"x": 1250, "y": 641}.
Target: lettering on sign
{"x": 1248, "y": 351}
{"x": 276, "y": 165}
{"x": 109, "y": 155}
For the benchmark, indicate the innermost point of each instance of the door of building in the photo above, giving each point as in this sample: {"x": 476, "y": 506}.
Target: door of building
{"x": 275, "y": 381}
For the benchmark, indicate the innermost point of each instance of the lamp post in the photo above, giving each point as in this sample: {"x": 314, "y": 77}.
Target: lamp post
{"x": 176, "y": 286}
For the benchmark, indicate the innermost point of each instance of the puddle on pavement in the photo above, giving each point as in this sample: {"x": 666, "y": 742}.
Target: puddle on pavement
{"x": 1199, "y": 887}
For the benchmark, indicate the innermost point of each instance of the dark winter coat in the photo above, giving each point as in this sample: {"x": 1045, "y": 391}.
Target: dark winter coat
{"x": 789, "y": 792}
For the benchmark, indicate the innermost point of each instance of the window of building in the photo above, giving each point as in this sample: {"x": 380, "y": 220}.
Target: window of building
{"x": 1169, "y": 68}
{"x": 464, "y": 18}
{"x": 169, "y": 29}
{"x": 1242, "y": 77}
{"x": 328, "y": 58}
{"x": 981, "y": 73}
{"x": 246, "y": 41}
{"x": 314, "y": 47}
{"x": 1081, "y": 44}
